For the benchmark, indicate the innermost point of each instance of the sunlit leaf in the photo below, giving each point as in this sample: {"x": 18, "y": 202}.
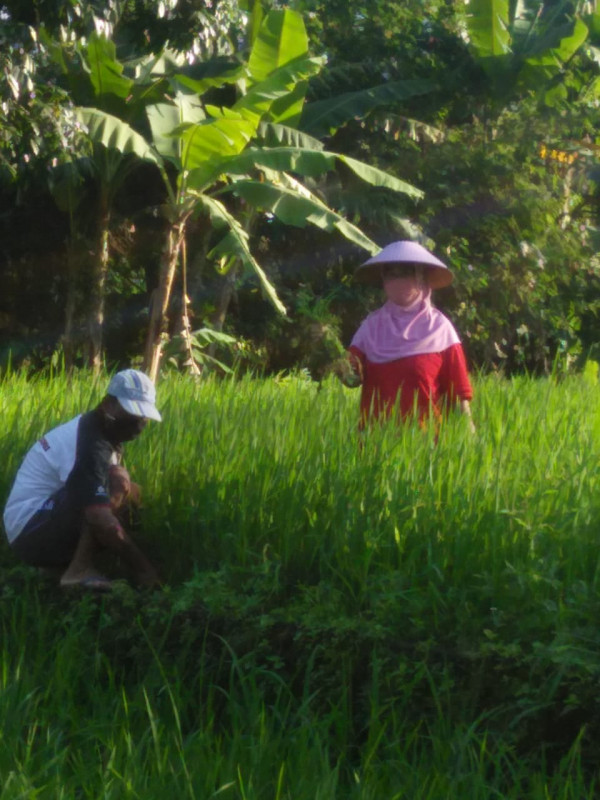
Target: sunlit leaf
{"x": 236, "y": 242}
{"x": 114, "y": 134}
{"x": 314, "y": 163}
{"x": 549, "y": 62}
{"x": 273, "y": 134}
{"x": 278, "y": 93}
{"x": 488, "y": 27}
{"x": 164, "y": 119}
{"x": 281, "y": 38}
{"x": 214, "y": 140}
{"x": 297, "y": 208}
{"x": 212, "y": 74}
{"x": 105, "y": 71}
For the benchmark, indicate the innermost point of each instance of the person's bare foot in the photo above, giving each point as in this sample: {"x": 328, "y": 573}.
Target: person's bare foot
{"x": 88, "y": 580}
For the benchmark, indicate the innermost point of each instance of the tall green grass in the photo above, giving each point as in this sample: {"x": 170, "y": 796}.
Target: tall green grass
{"x": 387, "y": 615}
{"x": 247, "y": 472}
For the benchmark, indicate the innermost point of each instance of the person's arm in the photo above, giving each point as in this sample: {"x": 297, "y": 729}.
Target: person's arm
{"x": 89, "y": 481}
{"x": 457, "y": 384}
{"x": 108, "y": 532}
{"x": 122, "y": 489}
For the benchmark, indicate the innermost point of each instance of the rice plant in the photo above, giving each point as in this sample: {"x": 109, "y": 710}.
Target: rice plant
{"x": 399, "y": 613}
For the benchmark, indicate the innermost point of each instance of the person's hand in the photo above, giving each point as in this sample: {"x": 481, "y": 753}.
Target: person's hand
{"x": 342, "y": 369}
{"x": 122, "y": 489}
{"x": 148, "y": 578}
{"x": 465, "y": 408}
{"x": 135, "y": 494}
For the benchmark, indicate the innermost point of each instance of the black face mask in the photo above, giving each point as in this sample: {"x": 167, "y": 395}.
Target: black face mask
{"x": 124, "y": 430}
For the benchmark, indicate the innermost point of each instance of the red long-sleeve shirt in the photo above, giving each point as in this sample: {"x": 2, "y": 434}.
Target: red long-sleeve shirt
{"x": 427, "y": 381}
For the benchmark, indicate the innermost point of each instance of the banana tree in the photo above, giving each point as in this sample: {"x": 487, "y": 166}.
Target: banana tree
{"x": 64, "y": 182}
{"x": 204, "y": 152}
{"x": 104, "y": 98}
{"x": 524, "y": 46}
{"x": 250, "y": 156}
{"x": 116, "y": 151}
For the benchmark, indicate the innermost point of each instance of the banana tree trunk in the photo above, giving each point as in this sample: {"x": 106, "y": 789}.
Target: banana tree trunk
{"x": 97, "y": 290}
{"x": 220, "y": 314}
{"x": 160, "y": 300}
{"x": 227, "y": 289}
{"x": 67, "y": 339}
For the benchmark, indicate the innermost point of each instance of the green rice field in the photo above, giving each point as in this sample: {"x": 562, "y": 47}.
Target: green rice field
{"x": 385, "y": 616}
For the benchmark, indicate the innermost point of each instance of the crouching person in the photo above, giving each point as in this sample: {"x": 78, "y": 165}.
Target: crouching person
{"x": 71, "y": 496}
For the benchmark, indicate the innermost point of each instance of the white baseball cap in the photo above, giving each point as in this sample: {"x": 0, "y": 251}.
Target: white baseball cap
{"x": 135, "y": 392}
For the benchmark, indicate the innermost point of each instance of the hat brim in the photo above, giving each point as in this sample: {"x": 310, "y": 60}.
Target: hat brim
{"x": 140, "y": 408}
{"x": 371, "y": 274}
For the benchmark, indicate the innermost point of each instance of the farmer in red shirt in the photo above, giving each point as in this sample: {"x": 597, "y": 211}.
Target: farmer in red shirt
{"x": 407, "y": 354}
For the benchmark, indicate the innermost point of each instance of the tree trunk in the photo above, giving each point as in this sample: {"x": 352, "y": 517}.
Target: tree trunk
{"x": 160, "y": 300}
{"x": 196, "y": 273}
{"x": 67, "y": 342}
{"x": 97, "y": 291}
{"x": 565, "y": 217}
{"x": 220, "y": 314}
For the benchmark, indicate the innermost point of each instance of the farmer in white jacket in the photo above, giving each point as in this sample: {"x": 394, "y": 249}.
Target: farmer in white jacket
{"x": 69, "y": 493}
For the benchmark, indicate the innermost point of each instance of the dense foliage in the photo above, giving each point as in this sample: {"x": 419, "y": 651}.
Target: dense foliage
{"x": 491, "y": 118}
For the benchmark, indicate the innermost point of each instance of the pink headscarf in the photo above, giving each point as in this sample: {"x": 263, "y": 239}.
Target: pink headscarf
{"x": 395, "y": 331}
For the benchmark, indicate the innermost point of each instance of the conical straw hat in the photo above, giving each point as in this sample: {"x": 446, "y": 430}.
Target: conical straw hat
{"x": 405, "y": 252}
